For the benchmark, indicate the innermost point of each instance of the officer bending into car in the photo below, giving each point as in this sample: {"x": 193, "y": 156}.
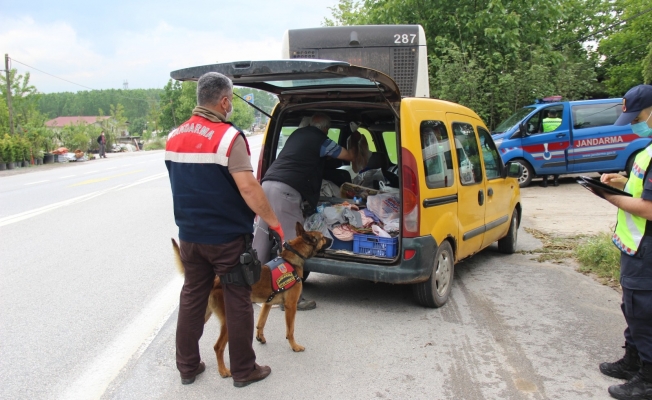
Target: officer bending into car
{"x": 633, "y": 236}
{"x": 215, "y": 198}
{"x": 294, "y": 177}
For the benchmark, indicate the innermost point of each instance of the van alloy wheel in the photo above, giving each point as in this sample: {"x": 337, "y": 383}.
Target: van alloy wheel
{"x": 528, "y": 173}
{"x": 435, "y": 291}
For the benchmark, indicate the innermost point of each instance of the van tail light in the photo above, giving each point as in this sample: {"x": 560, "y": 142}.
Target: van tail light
{"x": 259, "y": 171}
{"x": 411, "y": 198}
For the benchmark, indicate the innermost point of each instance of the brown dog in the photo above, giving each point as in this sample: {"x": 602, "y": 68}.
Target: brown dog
{"x": 306, "y": 244}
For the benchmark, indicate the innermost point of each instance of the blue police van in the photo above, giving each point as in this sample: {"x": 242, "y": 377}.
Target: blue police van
{"x": 556, "y": 137}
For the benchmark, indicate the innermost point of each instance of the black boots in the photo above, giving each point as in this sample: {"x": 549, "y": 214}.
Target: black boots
{"x": 626, "y": 367}
{"x": 639, "y": 387}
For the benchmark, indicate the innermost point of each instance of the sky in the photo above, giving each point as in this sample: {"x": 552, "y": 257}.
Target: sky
{"x": 99, "y": 45}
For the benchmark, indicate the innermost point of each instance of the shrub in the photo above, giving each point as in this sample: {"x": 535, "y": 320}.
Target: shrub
{"x": 599, "y": 255}
{"x": 155, "y": 144}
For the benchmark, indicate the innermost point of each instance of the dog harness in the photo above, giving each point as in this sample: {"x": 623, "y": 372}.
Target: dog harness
{"x": 283, "y": 276}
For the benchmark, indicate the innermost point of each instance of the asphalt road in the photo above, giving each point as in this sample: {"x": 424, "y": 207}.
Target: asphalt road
{"x": 89, "y": 295}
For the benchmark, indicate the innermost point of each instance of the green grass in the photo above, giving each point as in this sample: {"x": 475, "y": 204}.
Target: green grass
{"x": 595, "y": 254}
{"x": 599, "y": 256}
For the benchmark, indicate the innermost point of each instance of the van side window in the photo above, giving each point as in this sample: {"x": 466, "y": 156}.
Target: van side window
{"x": 546, "y": 120}
{"x": 492, "y": 161}
{"x": 592, "y": 115}
{"x": 436, "y": 151}
{"x": 468, "y": 155}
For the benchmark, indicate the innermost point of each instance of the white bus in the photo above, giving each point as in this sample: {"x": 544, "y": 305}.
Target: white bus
{"x": 396, "y": 50}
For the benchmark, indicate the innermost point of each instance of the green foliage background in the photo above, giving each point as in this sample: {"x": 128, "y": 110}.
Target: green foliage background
{"x": 496, "y": 56}
{"x": 493, "y": 56}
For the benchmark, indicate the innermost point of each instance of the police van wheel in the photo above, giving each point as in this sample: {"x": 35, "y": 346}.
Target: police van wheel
{"x": 507, "y": 244}
{"x": 434, "y": 292}
{"x": 528, "y": 173}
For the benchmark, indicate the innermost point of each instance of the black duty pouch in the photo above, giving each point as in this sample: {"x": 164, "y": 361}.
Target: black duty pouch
{"x": 250, "y": 264}
{"x": 249, "y": 270}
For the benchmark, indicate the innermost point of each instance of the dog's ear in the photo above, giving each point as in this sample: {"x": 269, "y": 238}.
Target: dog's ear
{"x": 299, "y": 229}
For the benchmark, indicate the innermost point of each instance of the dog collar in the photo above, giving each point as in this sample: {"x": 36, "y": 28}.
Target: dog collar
{"x": 287, "y": 246}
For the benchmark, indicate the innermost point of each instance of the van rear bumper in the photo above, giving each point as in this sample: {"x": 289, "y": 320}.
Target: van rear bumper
{"x": 417, "y": 269}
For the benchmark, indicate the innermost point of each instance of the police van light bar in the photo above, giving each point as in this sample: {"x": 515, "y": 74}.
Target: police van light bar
{"x": 549, "y": 99}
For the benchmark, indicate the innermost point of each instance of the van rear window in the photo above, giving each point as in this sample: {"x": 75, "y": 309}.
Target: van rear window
{"x": 592, "y": 115}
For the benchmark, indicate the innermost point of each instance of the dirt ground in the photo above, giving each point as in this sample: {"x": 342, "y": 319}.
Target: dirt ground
{"x": 567, "y": 209}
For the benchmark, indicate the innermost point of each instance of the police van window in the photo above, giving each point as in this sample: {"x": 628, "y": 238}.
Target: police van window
{"x": 468, "y": 155}
{"x": 547, "y": 120}
{"x": 592, "y": 115}
{"x": 436, "y": 150}
{"x": 492, "y": 161}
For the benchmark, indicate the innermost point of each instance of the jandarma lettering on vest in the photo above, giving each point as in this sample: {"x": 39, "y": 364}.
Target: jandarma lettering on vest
{"x": 193, "y": 128}
{"x": 596, "y": 142}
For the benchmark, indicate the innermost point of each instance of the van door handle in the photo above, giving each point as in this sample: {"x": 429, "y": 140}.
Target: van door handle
{"x": 490, "y": 192}
{"x": 561, "y": 134}
{"x": 481, "y": 197}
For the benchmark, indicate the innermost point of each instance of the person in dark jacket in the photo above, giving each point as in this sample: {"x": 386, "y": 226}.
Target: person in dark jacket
{"x": 101, "y": 140}
{"x": 294, "y": 177}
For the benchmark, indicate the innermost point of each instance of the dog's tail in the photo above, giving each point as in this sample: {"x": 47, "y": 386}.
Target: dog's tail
{"x": 177, "y": 257}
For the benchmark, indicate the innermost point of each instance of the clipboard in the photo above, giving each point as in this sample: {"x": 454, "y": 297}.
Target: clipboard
{"x": 597, "y": 188}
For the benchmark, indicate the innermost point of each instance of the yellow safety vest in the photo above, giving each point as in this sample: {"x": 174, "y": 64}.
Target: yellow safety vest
{"x": 550, "y": 124}
{"x": 631, "y": 228}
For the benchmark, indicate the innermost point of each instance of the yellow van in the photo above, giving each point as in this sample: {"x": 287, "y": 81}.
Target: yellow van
{"x": 455, "y": 196}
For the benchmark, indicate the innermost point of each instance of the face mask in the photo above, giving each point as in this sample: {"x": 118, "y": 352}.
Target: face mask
{"x": 228, "y": 113}
{"x": 642, "y": 129}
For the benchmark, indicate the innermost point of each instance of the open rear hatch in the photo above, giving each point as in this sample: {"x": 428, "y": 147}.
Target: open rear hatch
{"x": 337, "y": 88}
{"x": 283, "y": 77}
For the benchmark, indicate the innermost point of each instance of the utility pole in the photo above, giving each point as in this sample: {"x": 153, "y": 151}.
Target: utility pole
{"x": 11, "y": 112}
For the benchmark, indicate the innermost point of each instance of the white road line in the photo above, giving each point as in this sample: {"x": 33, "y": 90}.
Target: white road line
{"x": 90, "y": 172}
{"x": 127, "y": 165}
{"x": 38, "y": 211}
{"x": 67, "y": 176}
{"x": 131, "y": 342}
{"x": 111, "y": 168}
{"x": 34, "y": 183}
{"x": 143, "y": 180}
{"x": 32, "y": 213}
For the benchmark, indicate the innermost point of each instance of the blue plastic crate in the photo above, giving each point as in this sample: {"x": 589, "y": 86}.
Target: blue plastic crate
{"x": 372, "y": 245}
{"x": 341, "y": 244}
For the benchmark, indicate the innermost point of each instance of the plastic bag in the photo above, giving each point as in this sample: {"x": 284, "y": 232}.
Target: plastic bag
{"x": 386, "y": 206}
{"x": 316, "y": 222}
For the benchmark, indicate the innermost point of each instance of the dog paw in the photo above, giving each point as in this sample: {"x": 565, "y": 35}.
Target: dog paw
{"x": 298, "y": 348}
{"x": 261, "y": 339}
{"x": 225, "y": 373}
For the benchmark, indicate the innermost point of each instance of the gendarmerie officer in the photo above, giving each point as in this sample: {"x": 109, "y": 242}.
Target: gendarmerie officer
{"x": 633, "y": 236}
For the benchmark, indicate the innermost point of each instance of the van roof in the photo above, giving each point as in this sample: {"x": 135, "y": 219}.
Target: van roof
{"x": 578, "y": 102}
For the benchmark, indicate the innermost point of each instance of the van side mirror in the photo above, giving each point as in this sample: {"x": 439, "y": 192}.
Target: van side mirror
{"x": 522, "y": 129}
{"x": 514, "y": 169}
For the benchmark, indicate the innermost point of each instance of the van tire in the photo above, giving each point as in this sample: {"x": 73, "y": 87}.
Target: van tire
{"x": 528, "y": 173}
{"x": 507, "y": 244}
{"x": 434, "y": 292}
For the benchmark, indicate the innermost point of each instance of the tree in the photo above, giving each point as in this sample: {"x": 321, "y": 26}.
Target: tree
{"x": 180, "y": 98}
{"x": 627, "y": 52}
{"x": 24, "y": 103}
{"x": 496, "y": 56}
